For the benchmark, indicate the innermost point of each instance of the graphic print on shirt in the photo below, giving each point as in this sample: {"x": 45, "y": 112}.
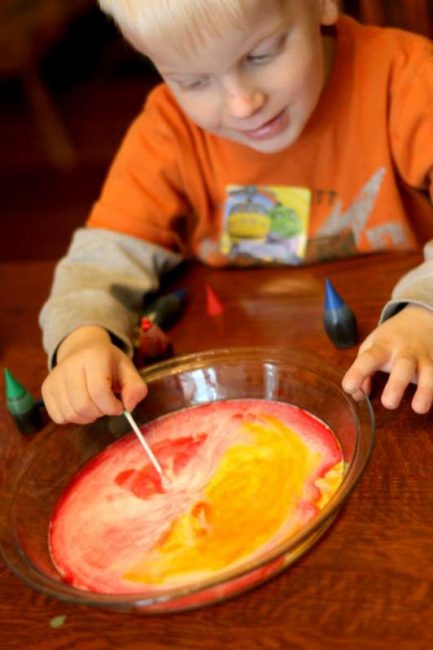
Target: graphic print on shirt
{"x": 272, "y": 225}
{"x": 266, "y": 224}
{"x": 347, "y": 232}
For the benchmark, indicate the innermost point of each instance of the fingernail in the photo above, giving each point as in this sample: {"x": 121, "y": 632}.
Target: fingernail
{"x": 389, "y": 402}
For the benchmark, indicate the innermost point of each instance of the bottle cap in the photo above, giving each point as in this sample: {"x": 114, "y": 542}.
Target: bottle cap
{"x": 14, "y": 390}
{"x": 181, "y": 294}
{"x": 146, "y": 324}
{"x": 18, "y": 399}
{"x": 213, "y": 305}
{"x": 333, "y": 300}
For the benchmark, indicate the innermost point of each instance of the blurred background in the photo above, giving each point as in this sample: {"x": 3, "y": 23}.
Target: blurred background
{"x": 69, "y": 86}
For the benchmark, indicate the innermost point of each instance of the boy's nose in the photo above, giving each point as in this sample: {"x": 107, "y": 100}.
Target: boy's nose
{"x": 242, "y": 103}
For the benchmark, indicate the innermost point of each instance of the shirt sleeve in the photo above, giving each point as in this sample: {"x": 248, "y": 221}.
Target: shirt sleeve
{"x": 101, "y": 281}
{"x": 144, "y": 194}
{"x": 415, "y": 287}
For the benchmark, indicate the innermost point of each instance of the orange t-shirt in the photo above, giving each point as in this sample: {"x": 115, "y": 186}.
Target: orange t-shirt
{"x": 357, "y": 180}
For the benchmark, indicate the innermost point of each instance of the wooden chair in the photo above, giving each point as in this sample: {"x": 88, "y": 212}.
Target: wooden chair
{"x": 28, "y": 29}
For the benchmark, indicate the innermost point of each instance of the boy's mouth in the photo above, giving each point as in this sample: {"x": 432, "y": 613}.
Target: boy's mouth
{"x": 269, "y": 129}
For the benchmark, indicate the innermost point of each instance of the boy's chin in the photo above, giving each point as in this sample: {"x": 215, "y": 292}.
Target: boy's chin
{"x": 268, "y": 145}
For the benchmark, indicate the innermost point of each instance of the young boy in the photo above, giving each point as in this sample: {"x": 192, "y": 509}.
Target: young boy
{"x": 278, "y": 108}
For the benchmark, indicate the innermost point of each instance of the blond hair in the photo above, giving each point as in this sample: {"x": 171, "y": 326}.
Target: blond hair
{"x": 183, "y": 24}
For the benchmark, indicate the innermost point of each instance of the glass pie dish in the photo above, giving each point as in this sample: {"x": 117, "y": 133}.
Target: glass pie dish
{"x": 53, "y": 458}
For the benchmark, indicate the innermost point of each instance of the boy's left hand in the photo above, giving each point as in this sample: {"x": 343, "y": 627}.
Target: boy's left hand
{"x": 402, "y": 346}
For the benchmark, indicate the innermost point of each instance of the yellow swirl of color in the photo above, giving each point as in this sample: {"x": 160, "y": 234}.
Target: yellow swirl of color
{"x": 251, "y": 498}
{"x": 246, "y": 475}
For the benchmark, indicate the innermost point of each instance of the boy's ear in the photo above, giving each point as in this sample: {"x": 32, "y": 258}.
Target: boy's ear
{"x": 329, "y": 12}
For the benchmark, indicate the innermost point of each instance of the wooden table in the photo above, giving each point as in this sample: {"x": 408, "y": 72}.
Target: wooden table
{"x": 367, "y": 584}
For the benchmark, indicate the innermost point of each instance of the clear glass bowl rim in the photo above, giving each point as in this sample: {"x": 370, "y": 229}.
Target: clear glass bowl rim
{"x": 364, "y": 419}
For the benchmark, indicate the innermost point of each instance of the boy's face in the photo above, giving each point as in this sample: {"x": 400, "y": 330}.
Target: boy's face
{"x": 258, "y": 85}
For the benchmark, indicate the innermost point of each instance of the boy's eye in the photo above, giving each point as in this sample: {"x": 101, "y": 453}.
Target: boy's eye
{"x": 261, "y": 58}
{"x": 271, "y": 54}
{"x": 196, "y": 84}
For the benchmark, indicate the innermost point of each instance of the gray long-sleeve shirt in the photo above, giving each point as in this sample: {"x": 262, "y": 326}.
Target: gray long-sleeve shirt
{"x": 104, "y": 275}
{"x": 101, "y": 281}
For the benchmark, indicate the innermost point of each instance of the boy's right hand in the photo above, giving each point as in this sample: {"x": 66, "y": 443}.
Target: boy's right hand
{"x": 89, "y": 370}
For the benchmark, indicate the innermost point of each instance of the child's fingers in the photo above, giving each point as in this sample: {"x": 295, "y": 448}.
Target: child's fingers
{"x": 364, "y": 366}
{"x": 55, "y": 395}
{"x": 73, "y": 398}
{"x": 58, "y": 403}
{"x": 423, "y": 398}
{"x": 364, "y": 390}
{"x": 99, "y": 385}
{"x": 403, "y": 371}
{"x": 132, "y": 387}
{"x": 81, "y": 408}
{"x": 366, "y": 386}
{"x": 51, "y": 404}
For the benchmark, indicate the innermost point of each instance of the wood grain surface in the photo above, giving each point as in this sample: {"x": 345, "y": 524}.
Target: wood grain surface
{"x": 368, "y": 583}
